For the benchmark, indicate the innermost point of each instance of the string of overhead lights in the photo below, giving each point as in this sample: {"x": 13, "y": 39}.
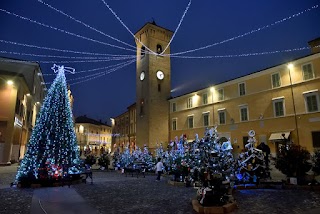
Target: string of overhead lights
{"x": 124, "y": 25}
{"x": 86, "y": 25}
{"x": 91, "y": 75}
{"x": 185, "y": 12}
{"x": 86, "y": 61}
{"x": 58, "y": 50}
{"x": 244, "y": 54}
{"x": 62, "y": 57}
{"x": 95, "y": 69}
{"x": 101, "y": 74}
{"x": 64, "y": 31}
{"x": 247, "y": 33}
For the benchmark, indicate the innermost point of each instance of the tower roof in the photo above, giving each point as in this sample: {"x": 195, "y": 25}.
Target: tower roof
{"x": 154, "y": 24}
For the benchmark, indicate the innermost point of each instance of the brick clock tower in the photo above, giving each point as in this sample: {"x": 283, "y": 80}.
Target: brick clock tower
{"x": 153, "y": 86}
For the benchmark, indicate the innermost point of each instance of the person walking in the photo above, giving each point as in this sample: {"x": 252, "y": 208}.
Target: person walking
{"x": 159, "y": 168}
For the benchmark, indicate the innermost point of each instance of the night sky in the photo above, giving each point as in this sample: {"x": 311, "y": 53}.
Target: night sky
{"x": 205, "y": 23}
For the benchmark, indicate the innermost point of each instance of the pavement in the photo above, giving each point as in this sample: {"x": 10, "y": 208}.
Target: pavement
{"x": 113, "y": 192}
{"x": 59, "y": 200}
{"x": 49, "y": 200}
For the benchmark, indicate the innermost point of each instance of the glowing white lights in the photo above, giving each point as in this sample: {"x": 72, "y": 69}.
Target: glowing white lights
{"x": 123, "y": 24}
{"x": 64, "y": 31}
{"x": 249, "y": 32}
{"x": 290, "y": 65}
{"x": 86, "y": 25}
{"x": 68, "y": 57}
{"x": 185, "y": 12}
{"x": 10, "y": 82}
{"x": 91, "y": 77}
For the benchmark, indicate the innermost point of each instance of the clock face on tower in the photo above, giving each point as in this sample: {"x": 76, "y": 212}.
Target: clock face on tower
{"x": 142, "y": 75}
{"x": 160, "y": 75}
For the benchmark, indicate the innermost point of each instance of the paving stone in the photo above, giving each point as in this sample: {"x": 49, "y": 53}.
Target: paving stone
{"x": 113, "y": 192}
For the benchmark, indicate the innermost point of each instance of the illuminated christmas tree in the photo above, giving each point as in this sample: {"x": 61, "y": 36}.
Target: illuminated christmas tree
{"x": 52, "y": 151}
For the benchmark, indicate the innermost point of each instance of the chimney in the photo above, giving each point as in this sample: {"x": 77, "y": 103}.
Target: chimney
{"x": 315, "y": 45}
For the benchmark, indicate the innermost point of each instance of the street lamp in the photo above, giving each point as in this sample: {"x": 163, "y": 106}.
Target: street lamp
{"x": 10, "y": 82}
{"x": 81, "y": 128}
{"x": 290, "y": 67}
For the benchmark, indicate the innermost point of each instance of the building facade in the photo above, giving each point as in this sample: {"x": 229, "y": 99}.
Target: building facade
{"x": 22, "y": 90}
{"x": 124, "y": 129}
{"x": 93, "y": 135}
{"x": 279, "y": 103}
{"x": 153, "y": 85}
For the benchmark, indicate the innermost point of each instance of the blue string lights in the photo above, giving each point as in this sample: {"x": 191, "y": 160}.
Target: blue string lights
{"x": 52, "y": 151}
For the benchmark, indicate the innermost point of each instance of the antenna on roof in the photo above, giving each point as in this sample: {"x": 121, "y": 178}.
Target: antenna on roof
{"x": 153, "y": 22}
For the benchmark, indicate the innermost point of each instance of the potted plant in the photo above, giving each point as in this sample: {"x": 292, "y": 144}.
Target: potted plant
{"x": 294, "y": 162}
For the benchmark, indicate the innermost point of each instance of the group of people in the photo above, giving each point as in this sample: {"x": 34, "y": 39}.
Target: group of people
{"x": 95, "y": 151}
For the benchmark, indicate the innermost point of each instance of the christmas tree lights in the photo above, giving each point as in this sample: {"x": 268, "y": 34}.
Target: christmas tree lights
{"x": 52, "y": 151}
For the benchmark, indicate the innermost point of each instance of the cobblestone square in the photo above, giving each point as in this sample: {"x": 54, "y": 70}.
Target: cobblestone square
{"x": 113, "y": 192}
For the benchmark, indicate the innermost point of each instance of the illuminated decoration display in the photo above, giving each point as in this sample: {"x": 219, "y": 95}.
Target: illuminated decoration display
{"x": 252, "y": 164}
{"x": 68, "y": 57}
{"x": 125, "y": 26}
{"x": 52, "y": 151}
{"x": 64, "y": 31}
{"x": 185, "y": 12}
{"x": 95, "y": 69}
{"x": 86, "y": 25}
{"x": 54, "y": 49}
{"x": 86, "y": 61}
{"x": 100, "y": 74}
{"x": 247, "y": 33}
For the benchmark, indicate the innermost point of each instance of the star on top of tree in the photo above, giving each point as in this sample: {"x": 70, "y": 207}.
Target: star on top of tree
{"x": 60, "y": 68}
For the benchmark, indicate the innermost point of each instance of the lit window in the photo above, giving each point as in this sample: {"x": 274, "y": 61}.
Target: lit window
{"x": 244, "y": 113}
{"x": 307, "y": 72}
{"x": 205, "y": 99}
{"x": 242, "y": 89}
{"x": 275, "y": 80}
{"x": 190, "y": 122}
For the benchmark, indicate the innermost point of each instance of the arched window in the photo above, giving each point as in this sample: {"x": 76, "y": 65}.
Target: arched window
{"x": 159, "y": 49}
{"x": 143, "y": 52}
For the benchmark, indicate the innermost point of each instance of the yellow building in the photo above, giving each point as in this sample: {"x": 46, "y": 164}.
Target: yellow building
{"x": 93, "y": 135}
{"x": 278, "y": 103}
{"x": 22, "y": 90}
{"x": 124, "y": 129}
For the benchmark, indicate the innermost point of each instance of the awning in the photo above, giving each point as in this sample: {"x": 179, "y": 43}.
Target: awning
{"x": 279, "y": 136}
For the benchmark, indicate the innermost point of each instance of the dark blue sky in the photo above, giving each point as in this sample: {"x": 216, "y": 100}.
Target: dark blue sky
{"x": 206, "y": 22}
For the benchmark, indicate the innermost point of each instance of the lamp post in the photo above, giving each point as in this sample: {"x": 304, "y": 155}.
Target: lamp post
{"x": 81, "y": 129}
{"x": 290, "y": 66}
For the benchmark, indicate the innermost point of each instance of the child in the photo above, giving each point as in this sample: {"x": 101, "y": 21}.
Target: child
{"x": 159, "y": 168}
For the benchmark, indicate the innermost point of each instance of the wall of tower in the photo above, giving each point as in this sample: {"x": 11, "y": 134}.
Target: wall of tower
{"x": 153, "y": 114}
